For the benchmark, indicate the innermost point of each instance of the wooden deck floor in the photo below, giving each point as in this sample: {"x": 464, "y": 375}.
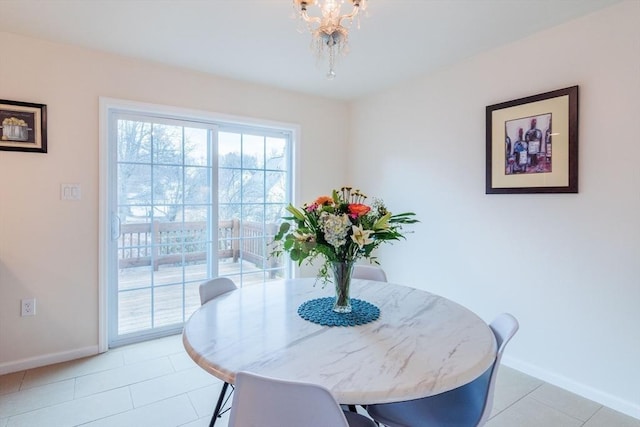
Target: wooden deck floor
{"x": 141, "y": 288}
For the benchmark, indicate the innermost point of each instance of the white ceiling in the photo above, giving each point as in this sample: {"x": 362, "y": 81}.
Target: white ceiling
{"x": 258, "y": 41}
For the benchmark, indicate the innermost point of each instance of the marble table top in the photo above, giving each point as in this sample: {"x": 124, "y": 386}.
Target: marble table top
{"x": 421, "y": 345}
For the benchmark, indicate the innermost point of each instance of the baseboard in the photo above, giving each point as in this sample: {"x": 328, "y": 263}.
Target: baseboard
{"x": 617, "y": 404}
{"x": 47, "y": 359}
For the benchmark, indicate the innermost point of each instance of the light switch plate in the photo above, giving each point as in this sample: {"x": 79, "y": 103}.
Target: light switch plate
{"x": 70, "y": 192}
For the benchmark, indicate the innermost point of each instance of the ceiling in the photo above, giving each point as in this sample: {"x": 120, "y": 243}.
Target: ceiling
{"x": 258, "y": 40}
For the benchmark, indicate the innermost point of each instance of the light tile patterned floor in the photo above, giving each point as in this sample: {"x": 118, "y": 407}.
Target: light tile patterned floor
{"x": 156, "y": 384}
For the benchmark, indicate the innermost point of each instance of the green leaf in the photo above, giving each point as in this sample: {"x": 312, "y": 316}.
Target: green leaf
{"x": 288, "y": 244}
{"x": 336, "y": 198}
{"x": 297, "y": 213}
{"x": 382, "y": 222}
{"x": 403, "y": 218}
{"x": 284, "y": 228}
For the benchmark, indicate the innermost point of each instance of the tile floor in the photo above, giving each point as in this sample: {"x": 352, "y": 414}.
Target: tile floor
{"x": 156, "y": 384}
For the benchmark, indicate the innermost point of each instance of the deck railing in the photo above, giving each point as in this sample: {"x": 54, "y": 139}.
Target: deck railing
{"x": 157, "y": 243}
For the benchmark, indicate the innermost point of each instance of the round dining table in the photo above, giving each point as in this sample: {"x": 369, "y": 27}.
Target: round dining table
{"x": 422, "y": 344}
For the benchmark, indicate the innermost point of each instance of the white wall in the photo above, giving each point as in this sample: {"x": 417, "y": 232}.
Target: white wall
{"x": 566, "y": 265}
{"x": 571, "y": 274}
{"x": 49, "y": 247}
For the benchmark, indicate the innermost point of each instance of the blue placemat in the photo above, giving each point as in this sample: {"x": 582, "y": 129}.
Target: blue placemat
{"x": 320, "y": 310}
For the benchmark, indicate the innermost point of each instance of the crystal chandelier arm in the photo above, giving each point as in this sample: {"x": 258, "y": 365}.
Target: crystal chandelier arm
{"x": 302, "y": 6}
{"x": 354, "y": 12}
{"x": 309, "y": 19}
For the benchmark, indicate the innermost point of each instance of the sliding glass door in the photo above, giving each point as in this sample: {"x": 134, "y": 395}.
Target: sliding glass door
{"x": 190, "y": 200}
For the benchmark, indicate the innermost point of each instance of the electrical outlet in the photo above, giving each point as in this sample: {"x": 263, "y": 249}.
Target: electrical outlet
{"x": 28, "y": 307}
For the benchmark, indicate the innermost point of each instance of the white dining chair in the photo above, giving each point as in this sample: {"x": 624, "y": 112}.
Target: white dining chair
{"x": 466, "y": 406}
{"x": 369, "y": 272}
{"x": 208, "y": 291}
{"x": 261, "y": 401}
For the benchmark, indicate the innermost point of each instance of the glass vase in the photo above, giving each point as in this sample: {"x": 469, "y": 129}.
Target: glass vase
{"x": 342, "y": 280}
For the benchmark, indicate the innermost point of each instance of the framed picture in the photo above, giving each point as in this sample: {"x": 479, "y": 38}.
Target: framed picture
{"x": 23, "y": 126}
{"x": 532, "y": 144}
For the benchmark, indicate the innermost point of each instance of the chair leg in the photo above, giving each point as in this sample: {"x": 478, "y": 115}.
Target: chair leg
{"x": 216, "y": 412}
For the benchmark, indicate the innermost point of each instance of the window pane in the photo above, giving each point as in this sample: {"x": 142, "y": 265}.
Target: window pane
{"x": 167, "y": 213}
{"x": 228, "y": 211}
{"x": 134, "y": 141}
{"x": 196, "y": 185}
{"x": 134, "y": 182}
{"x": 196, "y": 147}
{"x": 167, "y": 184}
{"x": 276, "y": 154}
{"x": 253, "y": 152}
{"x": 252, "y": 186}
{"x": 229, "y": 185}
{"x": 196, "y": 213}
{"x": 167, "y": 144}
{"x": 192, "y": 298}
{"x": 276, "y": 191}
{"x": 273, "y": 213}
{"x": 253, "y": 212}
{"x": 134, "y": 310}
{"x": 168, "y": 274}
{"x": 168, "y": 303}
{"x": 229, "y": 145}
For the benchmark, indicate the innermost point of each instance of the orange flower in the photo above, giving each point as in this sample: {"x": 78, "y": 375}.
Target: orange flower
{"x": 324, "y": 200}
{"x": 358, "y": 209}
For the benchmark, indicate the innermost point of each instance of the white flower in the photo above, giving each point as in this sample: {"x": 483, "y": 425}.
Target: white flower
{"x": 335, "y": 228}
{"x": 360, "y": 236}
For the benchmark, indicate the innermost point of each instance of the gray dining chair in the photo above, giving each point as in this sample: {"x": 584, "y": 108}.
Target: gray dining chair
{"x": 466, "y": 406}
{"x": 214, "y": 287}
{"x": 209, "y": 290}
{"x": 369, "y": 272}
{"x": 261, "y": 401}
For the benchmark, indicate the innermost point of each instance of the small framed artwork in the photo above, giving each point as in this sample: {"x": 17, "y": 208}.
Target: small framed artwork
{"x": 23, "y": 126}
{"x": 532, "y": 144}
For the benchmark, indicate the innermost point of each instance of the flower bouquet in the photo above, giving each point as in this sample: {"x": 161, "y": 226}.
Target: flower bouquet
{"x": 341, "y": 229}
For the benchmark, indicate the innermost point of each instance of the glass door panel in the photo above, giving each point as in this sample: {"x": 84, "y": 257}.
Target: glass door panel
{"x": 254, "y": 191}
{"x": 165, "y": 211}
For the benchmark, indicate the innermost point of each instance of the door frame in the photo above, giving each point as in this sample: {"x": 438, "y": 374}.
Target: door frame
{"x": 106, "y": 158}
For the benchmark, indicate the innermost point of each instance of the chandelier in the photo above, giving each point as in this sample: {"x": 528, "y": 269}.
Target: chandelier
{"x": 328, "y": 34}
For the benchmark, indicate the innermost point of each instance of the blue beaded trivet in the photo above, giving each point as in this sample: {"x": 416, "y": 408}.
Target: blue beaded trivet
{"x": 320, "y": 310}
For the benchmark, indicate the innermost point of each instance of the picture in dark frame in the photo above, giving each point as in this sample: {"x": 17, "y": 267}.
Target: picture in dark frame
{"x": 532, "y": 144}
{"x": 23, "y": 126}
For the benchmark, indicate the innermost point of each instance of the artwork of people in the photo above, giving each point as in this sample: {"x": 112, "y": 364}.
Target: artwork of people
{"x": 531, "y": 152}
{"x": 509, "y": 159}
